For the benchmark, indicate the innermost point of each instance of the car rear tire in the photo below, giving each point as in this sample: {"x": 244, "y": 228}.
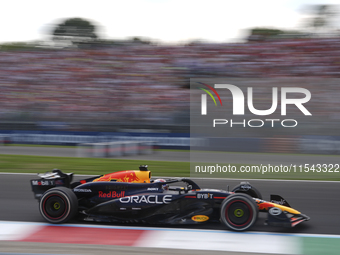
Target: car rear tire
{"x": 239, "y": 212}
{"x": 58, "y": 205}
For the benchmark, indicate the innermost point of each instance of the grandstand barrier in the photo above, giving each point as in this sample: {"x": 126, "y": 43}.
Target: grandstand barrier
{"x": 4, "y": 139}
{"x": 180, "y": 141}
{"x": 280, "y": 145}
{"x": 298, "y": 144}
{"x": 320, "y": 145}
{"x": 114, "y": 149}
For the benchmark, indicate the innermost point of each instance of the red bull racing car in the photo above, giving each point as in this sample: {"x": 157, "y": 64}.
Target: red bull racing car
{"x": 131, "y": 196}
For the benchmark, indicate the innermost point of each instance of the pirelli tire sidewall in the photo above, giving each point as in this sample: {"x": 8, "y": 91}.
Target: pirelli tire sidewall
{"x": 239, "y": 212}
{"x": 58, "y": 205}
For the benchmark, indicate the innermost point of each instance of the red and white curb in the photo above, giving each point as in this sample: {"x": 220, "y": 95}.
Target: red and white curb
{"x": 147, "y": 237}
{"x": 176, "y": 238}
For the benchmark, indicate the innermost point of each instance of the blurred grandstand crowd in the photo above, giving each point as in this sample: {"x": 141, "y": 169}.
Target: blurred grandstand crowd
{"x": 147, "y": 84}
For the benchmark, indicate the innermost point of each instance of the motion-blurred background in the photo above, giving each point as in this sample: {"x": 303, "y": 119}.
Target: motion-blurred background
{"x": 104, "y": 71}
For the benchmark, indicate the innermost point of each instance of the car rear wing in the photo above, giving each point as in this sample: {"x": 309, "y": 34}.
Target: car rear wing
{"x": 50, "y": 180}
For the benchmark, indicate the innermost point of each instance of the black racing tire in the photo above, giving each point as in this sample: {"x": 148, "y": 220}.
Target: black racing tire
{"x": 239, "y": 212}
{"x": 58, "y": 205}
{"x": 253, "y": 192}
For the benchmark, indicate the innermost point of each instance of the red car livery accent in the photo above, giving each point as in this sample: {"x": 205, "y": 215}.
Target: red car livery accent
{"x": 133, "y": 176}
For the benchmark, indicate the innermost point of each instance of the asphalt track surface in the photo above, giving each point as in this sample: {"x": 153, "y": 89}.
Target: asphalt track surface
{"x": 319, "y": 200}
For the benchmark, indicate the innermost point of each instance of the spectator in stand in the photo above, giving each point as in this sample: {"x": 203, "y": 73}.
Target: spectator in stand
{"x": 128, "y": 84}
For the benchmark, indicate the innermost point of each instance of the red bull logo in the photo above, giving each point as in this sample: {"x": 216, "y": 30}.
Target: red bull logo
{"x": 263, "y": 205}
{"x": 111, "y": 194}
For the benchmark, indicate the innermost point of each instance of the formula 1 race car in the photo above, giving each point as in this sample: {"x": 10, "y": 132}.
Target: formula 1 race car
{"x": 131, "y": 196}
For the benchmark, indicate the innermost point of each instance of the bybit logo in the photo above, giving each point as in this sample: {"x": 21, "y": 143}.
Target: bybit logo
{"x": 239, "y": 99}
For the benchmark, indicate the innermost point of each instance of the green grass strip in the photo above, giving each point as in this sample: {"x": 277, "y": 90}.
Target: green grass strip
{"x": 95, "y": 166}
{"x": 320, "y": 245}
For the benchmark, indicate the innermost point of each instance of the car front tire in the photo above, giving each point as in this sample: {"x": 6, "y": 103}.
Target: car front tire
{"x": 239, "y": 212}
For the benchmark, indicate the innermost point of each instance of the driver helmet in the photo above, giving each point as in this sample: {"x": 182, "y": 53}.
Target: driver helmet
{"x": 164, "y": 186}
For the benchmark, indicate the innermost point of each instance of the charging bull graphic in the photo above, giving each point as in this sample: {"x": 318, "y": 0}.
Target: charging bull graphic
{"x": 132, "y": 176}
